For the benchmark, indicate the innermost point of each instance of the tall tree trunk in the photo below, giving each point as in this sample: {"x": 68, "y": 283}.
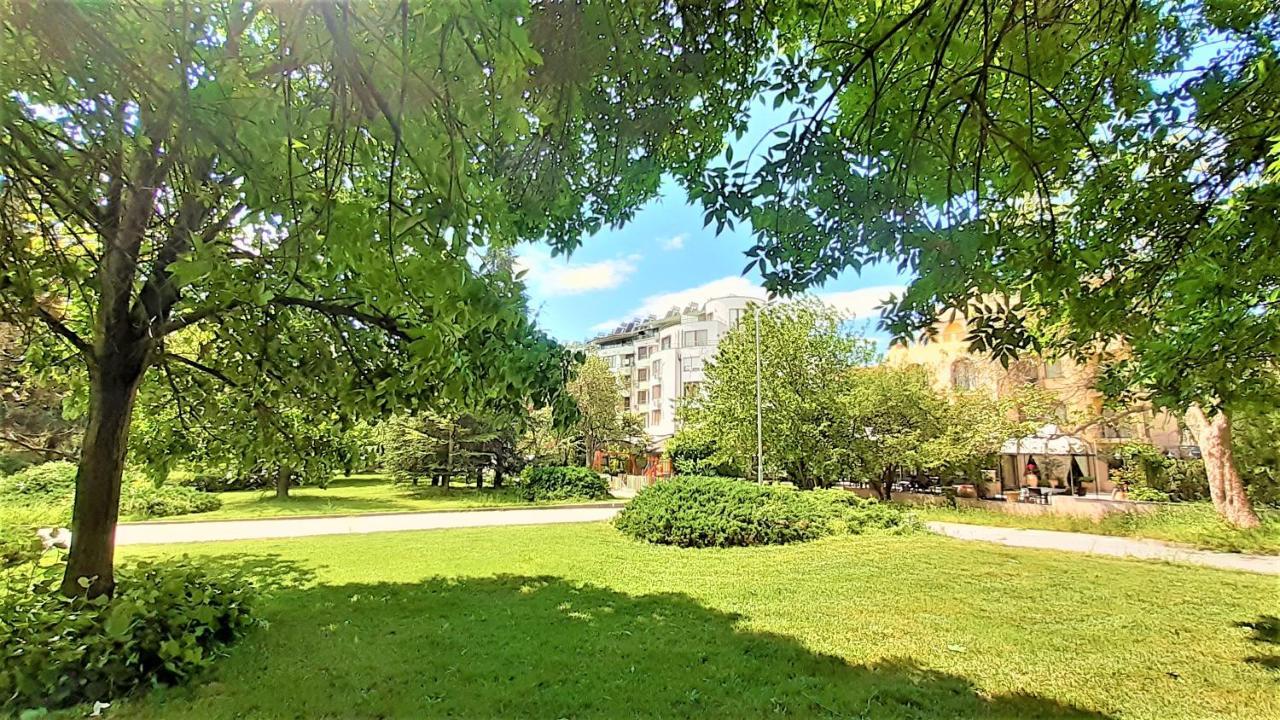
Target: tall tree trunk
{"x": 497, "y": 477}
{"x": 283, "y": 473}
{"x": 113, "y": 388}
{"x": 1213, "y": 435}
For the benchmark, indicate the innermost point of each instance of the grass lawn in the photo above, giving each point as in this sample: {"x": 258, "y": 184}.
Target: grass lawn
{"x": 352, "y": 496}
{"x": 1193, "y": 523}
{"x": 576, "y": 621}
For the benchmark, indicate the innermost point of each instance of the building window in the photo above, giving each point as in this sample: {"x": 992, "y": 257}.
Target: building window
{"x": 735, "y": 315}
{"x": 656, "y": 392}
{"x": 657, "y": 369}
{"x": 626, "y": 403}
{"x": 642, "y": 375}
{"x": 691, "y": 389}
{"x": 694, "y": 338}
{"x": 964, "y": 376}
{"x": 691, "y": 364}
{"x": 655, "y": 417}
{"x": 642, "y": 397}
{"x": 642, "y": 353}
{"x": 1053, "y": 370}
{"x": 666, "y": 342}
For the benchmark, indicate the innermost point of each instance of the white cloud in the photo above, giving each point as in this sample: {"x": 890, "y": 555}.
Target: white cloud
{"x": 860, "y": 303}
{"x": 674, "y": 243}
{"x": 547, "y": 276}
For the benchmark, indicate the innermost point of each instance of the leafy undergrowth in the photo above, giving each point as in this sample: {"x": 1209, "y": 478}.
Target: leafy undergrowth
{"x": 166, "y": 622}
{"x": 579, "y": 621}
{"x": 1192, "y": 523}
{"x": 356, "y": 495}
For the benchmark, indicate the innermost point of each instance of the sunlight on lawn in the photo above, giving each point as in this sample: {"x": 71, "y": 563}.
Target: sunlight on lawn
{"x": 576, "y": 621}
{"x": 355, "y": 495}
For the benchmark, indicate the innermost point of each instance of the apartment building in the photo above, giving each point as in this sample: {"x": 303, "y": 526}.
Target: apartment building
{"x": 660, "y": 360}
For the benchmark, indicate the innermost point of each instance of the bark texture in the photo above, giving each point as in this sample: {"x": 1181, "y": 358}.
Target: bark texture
{"x": 1213, "y": 435}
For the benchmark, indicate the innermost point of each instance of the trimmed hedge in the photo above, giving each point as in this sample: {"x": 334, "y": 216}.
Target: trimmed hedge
{"x": 44, "y": 483}
{"x": 555, "y": 482}
{"x": 694, "y": 511}
{"x": 164, "y": 624}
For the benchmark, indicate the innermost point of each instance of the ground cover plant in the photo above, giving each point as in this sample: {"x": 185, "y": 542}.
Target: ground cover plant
{"x": 1192, "y": 523}
{"x": 580, "y": 621}
{"x": 166, "y": 622}
{"x": 696, "y": 511}
{"x": 51, "y": 486}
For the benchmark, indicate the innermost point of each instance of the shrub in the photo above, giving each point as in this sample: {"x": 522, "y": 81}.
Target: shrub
{"x": 164, "y": 624}
{"x": 141, "y": 499}
{"x": 554, "y": 482}
{"x": 45, "y": 483}
{"x": 1143, "y": 493}
{"x": 693, "y": 511}
{"x": 18, "y": 525}
{"x": 51, "y": 487}
{"x": 13, "y": 462}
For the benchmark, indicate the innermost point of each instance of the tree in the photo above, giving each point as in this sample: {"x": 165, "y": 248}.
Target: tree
{"x": 805, "y": 348}
{"x": 892, "y": 419}
{"x": 1096, "y": 178}
{"x": 256, "y": 170}
{"x": 602, "y": 423}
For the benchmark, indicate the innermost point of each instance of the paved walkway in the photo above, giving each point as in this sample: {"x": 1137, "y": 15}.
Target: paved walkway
{"x": 206, "y": 531}
{"x": 1108, "y": 545}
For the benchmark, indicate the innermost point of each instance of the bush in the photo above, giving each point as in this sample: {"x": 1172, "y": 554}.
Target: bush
{"x": 45, "y": 483}
{"x": 692, "y": 511}
{"x": 1142, "y": 493}
{"x": 141, "y": 499}
{"x": 51, "y": 487}
{"x": 164, "y": 624}
{"x": 553, "y": 482}
{"x": 13, "y": 462}
{"x": 18, "y": 525}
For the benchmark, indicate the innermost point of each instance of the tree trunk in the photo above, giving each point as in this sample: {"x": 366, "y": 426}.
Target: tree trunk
{"x": 883, "y": 486}
{"x": 113, "y": 387}
{"x": 497, "y": 477}
{"x": 283, "y": 473}
{"x": 1213, "y": 435}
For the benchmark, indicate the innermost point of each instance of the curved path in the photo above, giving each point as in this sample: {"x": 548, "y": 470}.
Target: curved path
{"x": 1109, "y": 545}
{"x": 211, "y": 530}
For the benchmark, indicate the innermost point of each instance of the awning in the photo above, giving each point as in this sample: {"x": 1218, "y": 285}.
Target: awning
{"x": 1048, "y": 440}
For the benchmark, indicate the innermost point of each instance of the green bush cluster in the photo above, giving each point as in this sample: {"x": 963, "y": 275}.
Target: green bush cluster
{"x": 51, "y": 486}
{"x": 49, "y": 482}
{"x": 555, "y": 482}
{"x": 694, "y": 511}
{"x": 148, "y": 501}
{"x": 18, "y": 525}
{"x": 164, "y": 624}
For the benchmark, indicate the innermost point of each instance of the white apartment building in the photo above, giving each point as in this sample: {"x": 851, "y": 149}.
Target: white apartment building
{"x": 659, "y": 360}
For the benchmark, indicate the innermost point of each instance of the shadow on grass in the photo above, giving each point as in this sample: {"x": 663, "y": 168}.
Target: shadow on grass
{"x": 513, "y": 646}
{"x": 1265, "y": 630}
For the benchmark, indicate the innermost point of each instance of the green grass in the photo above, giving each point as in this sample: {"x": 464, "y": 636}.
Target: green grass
{"x": 355, "y": 495}
{"x": 1193, "y": 523}
{"x": 576, "y": 621}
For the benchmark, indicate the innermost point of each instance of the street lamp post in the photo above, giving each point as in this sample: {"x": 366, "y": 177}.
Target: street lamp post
{"x": 759, "y": 413}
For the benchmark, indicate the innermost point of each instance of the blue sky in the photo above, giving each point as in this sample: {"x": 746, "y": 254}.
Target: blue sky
{"x": 664, "y": 258}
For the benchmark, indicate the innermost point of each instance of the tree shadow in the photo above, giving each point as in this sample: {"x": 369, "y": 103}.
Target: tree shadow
{"x": 1264, "y": 630}
{"x": 517, "y": 646}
